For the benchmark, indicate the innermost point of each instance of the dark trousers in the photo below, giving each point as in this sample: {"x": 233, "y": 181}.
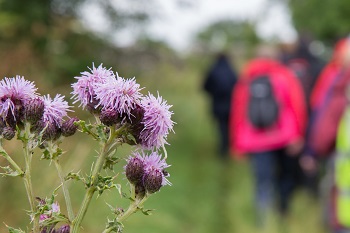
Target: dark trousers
{"x": 223, "y": 122}
{"x": 275, "y": 176}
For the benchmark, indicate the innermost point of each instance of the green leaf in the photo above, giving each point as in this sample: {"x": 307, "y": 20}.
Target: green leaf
{"x": 10, "y": 172}
{"x": 46, "y": 154}
{"x": 74, "y": 176}
{"x": 131, "y": 138}
{"x": 13, "y": 230}
{"x": 52, "y": 154}
{"x": 102, "y": 133}
{"x": 106, "y": 183}
{"x": 115, "y": 210}
{"x": 146, "y": 211}
{"x": 110, "y": 161}
{"x": 87, "y": 128}
{"x": 114, "y": 226}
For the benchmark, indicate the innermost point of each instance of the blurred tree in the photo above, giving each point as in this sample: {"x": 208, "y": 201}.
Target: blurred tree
{"x": 327, "y": 20}
{"x": 50, "y": 34}
{"x": 227, "y": 35}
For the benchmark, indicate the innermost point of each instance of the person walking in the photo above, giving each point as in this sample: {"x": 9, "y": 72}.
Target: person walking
{"x": 267, "y": 123}
{"x": 219, "y": 83}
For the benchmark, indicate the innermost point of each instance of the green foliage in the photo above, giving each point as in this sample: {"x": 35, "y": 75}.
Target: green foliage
{"x": 13, "y": 230}
{"x": 8, "y": 171}
{"x": 226, "y": 34}
{"x": 75, "y": 176}
{"x": 327, "y": 20}
{"x": 106, "y": 183}
{"x": 53, "y": 35}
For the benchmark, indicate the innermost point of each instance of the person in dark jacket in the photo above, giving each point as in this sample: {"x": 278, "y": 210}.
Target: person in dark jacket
{"x": 219, "y": 83}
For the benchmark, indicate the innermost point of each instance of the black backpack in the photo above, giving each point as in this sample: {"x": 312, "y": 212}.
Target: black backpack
{"x": 263, "y": 109}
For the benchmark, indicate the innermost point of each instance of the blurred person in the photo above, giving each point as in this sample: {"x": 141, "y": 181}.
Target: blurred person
{"x": 270, "y": 131}
{"x": 327, "y": 103}
{"x": 219, "y": 83}
{"x": 339, "y": 198}
{"x": 326, "y": 140}
{"x": 307, "y": 68}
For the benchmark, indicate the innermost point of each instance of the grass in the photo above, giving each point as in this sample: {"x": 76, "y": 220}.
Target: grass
{"x": 207, "y": 195}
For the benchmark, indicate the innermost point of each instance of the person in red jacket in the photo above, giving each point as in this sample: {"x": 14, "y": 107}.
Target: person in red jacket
{"x": 272, "y": 147}
{"x": 330, "y": 99}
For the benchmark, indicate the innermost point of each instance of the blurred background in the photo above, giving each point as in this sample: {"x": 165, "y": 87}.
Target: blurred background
{"x": 168, "y": 46}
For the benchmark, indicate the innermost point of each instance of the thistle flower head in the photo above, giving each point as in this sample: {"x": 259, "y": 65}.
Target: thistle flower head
{"x": 154, "y": 161}
{"x": 84, "y": 88}
{"x": 146, "y": 172}
{"x": 34, "y": 110}
{"x": 109, "y": 117}
{"x": 157, "y": 121}
{"x": 155, "y": 175}
{"x": 55, "y": 109}
{"x": 135, "y": 168}
{"x": 119, "y": 94}
{"x": 68, "y": 127}
{"x": 14, "y": 93}
{"x": 152, "y": 180}
{"x": 8, "y": 133}
{"x": 135, "y": 124}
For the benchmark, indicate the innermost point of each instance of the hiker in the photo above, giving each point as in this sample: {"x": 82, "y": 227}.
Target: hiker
{"x": 218, "y": 83}
{"x": 307, "y": 68}
{"x": 327, "y": 142}
{"x": 267, "y": 123}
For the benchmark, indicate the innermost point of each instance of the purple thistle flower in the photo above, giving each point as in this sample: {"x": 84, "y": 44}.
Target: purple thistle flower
{"x": 33, "y": 110}
{"x": 146, "y": 172}
{"x": 55, "y": 109}
{"x": 43, "y": 217}
{"x": 119, "y": 94}
{"x": 135, "y": 168}
{"x": 55, "y": 207}
{"x": 8, "y": 133}
{"x": 14, "y": 93}
{"x": 155, "y": 175}
{"x": 84, "y": 88}
{"x": 157, "y": 122}
{"x": 68, "y": 127}
{"x": 63, "y": 229}
{"x": 155, "y": 162}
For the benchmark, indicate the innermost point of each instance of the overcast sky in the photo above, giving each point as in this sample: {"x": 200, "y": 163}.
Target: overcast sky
{"x": 177, "y": 23}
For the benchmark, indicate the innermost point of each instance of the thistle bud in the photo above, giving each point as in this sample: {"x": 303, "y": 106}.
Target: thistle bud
{"x": 34, "y": 110}
{"x": 134, "y": 170}
{"x": 52, "y": 132}
{"x": 109, "y": 117}
{"x": 140, "y": 190}
{"x": 93, "y": 106}
{"x": 152, "y": 180}
{"x": 68, "y": 127}
{"x": 45, "y": 230}
{"x": 11, "y": 119}
{"x": 2, "y": 124}
{"x": 136, "y": 125}
{"x": 63, "y": 229}
{"x": 8, "y": 133}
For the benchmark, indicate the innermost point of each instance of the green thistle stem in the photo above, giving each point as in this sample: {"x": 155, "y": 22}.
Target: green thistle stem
{"x": 134, "y": 206}
{"x": 28, "y": 153}
{"x": 65, "y": 190}
{"x": 11, "y": 161}
{"x": 105, "y": 148}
